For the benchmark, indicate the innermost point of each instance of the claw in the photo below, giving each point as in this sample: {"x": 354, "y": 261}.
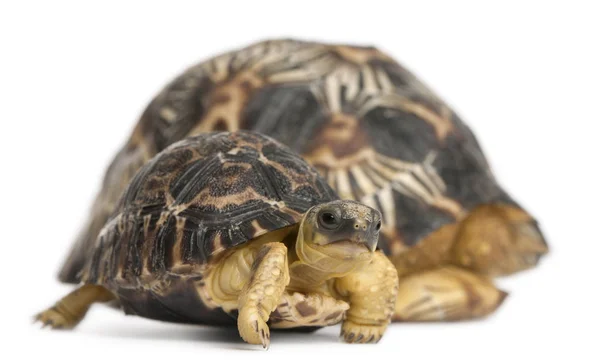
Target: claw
{"x": 253, "y": 329}
{"x": 264, "y": 339}
{"x": 363, "y": 334}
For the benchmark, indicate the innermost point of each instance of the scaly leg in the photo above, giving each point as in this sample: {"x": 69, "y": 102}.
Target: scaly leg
{"x": 313, "y": 309}
{"x": 498, "y": 240}
{"x": 371, "y": 292}
{"x": 446, "y": 294}
{"x": 69, "y": 311}
{"x": 261, "y": 295}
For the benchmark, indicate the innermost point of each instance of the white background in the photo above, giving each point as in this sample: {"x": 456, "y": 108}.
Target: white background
{"x": 74, "y": 78}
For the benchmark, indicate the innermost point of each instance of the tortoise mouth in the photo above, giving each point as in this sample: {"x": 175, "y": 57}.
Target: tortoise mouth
{"x": 347, "y": 248}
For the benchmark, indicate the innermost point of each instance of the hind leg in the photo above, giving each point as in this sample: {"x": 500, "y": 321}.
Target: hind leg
{"x": 69, "y": 310}
{"x": 498, "y": 240}
{"x": 445, "y": 294}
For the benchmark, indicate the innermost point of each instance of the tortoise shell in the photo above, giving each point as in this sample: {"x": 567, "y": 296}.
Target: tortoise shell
{"x": 372, "y": 129}
{"x": 199, "y": 197}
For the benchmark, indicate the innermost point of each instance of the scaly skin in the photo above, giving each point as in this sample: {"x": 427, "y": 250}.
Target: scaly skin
{"x": 312, "y": 309}
{"x": 69, "y": 310}
{"x": 260, "y": 297}
{"x": 334, "y": 273}
{"x": 446, "y": 294}
{"x": 372, "y": 293}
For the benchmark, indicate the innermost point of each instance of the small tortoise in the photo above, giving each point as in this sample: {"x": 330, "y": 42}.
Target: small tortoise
{"x": 236, "y": 223}
{"x": 378, "y": 135}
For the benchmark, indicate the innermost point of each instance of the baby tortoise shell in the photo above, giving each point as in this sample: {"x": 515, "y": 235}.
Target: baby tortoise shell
{"x": 373, "y": 130}
{"x": 197, "y": 198}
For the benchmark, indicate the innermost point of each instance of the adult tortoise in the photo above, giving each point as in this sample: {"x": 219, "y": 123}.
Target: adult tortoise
{"x": 377, "y": 135}
{"x": 236, "y": 223}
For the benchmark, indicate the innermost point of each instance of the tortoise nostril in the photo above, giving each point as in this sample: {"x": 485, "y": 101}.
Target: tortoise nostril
{"x": 364, "y": 227}
{"x": 356, "y": 226}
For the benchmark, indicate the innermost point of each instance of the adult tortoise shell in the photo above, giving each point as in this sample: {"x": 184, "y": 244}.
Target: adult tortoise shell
{"x": 377, "y": 135}
{"x": 205, "y": 231}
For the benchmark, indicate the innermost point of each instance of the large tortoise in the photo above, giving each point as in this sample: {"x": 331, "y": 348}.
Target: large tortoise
{"x": 377, "y": 135}
{"x": 236, "y": 223}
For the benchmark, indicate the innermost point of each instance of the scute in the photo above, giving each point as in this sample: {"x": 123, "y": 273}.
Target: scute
{"x": 199, "y": 197}
{"x": 373, "y": 130}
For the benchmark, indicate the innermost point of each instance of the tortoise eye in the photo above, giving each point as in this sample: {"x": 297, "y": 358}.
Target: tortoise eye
{"x": 328, "y": 220}
{"x": 378, "y": 226}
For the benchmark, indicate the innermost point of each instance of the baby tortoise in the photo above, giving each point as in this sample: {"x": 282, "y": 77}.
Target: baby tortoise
{"x": 226, "y": 225}
{"x": 377, "y": 135}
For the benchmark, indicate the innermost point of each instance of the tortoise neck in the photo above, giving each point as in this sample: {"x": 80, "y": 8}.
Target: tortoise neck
{"x": 311, "y": 268}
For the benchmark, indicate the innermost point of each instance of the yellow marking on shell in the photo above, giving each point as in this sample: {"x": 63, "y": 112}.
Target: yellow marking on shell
{"x": 388, "y": 208}
{"x": 442, "y": 124}
{"x": 228, "y": 164}
{"x": 333, "y": 63}
{"x": 432, "y": 173}
{"x": 308, "y": 71}
{"x": 164, "y": 216}
{"x": 369, "y": 84}
{"x": 253, "y": 57}
{"x": 296, "y": 179}
{"x": 325, "y": 157}
{"x": 229, "y": 101}
{"x": 343, "y": 188}
{"x": 177, "y": 254}
{"x": 370, "y": 201}
{"x": 185, "y": 269}
{"x": 331, "y": 177}
{"x": 450, "y": 205}
{"x": 384, "y": 81}
{"x": 220, "y": 202}
{"x": 383, "y": 171}
{"x": 305, "y": 55}
{"x": 339, "y": 133}
{"x": 168, "y": 113}
{"x": 360, "y": 55}
{"x": 375, "y": 176}
{"x": 402, "y": 181}
{"x": 256, "y": 227}
{"x": 376, "y": 173}
{"x": 146, "y": 220}
{"x": 295, "y": 75}
{"x": 332, "y": 94}
{"x": 114, "y": 222}
{"x": 288, "y": 61}
{"x": 218, "y": 243}
{"x": 363, "y": 181}
{"x": 350, "y": 78}
{"x": 217, "y": 68}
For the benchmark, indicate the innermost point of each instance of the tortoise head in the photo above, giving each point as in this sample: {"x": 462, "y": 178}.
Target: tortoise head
{"x": 339, "y": 233}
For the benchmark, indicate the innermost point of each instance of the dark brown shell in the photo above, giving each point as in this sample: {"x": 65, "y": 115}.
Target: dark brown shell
{"x": 199, "y": 197}
{"x": 371, "y": 128}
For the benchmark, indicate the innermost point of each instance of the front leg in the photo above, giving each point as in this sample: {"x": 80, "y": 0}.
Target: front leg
{"x": 313, "y": 310}
{"x": 260, "y": 296}
{"x": 371, "y": 292}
